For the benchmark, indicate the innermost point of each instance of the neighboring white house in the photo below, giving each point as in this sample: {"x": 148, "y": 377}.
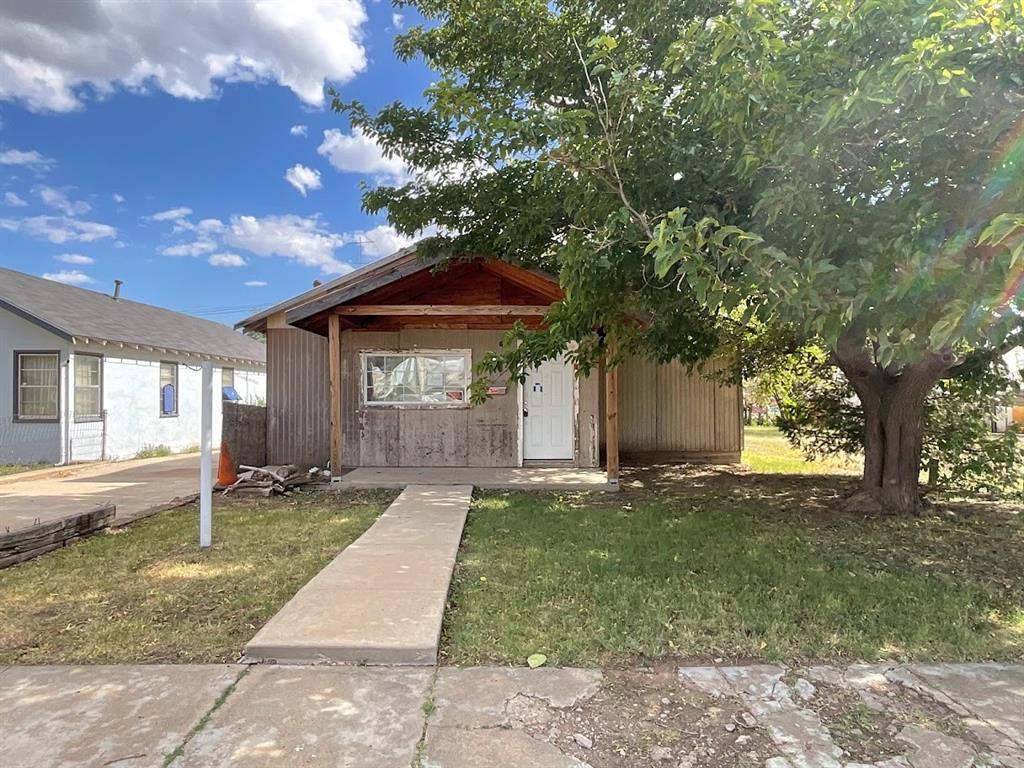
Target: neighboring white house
{"x": 86, "y": 375}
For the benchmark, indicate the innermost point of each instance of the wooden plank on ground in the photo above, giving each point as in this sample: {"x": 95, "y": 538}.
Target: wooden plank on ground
{"x": 26, "y": 543}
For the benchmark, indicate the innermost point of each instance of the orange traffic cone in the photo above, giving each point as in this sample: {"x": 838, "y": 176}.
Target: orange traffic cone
{"x": 226, "y": 473}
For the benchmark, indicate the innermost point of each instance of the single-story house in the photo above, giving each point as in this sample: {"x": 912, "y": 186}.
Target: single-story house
{"x": 373, "y": 369}
{"x": 95, "y": 376}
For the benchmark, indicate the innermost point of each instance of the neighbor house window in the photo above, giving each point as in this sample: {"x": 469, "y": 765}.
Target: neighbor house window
{"x": 88, "y": 388}
{"x": 425, "y": 378}
{"x": 168, "y": 389}
{"x": 37, "y": 377}
{"x": 227, "y": 383}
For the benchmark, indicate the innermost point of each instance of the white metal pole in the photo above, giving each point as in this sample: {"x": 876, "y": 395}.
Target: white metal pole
{"x": 206, "y": 460}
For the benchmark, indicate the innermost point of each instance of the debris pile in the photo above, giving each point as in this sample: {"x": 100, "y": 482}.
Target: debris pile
{"x": 270, "y": 480}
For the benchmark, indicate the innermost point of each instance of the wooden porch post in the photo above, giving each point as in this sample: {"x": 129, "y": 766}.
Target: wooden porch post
{"x": 334, "y": 355}
{"x": 611, "y": 393}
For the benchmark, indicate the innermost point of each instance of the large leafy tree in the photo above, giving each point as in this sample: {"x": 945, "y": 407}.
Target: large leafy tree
{"x": 757, "y": 174}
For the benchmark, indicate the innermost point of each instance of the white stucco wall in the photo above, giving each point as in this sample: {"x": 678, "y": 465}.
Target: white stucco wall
{"x": 131, "y": 399}
{"x": 26, "y": 442}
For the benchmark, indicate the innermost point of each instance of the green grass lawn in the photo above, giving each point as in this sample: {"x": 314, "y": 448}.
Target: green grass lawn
{"x": 766, "y": 449}
{"x": 740, "y": 566}
{"x": 147, "y": 593}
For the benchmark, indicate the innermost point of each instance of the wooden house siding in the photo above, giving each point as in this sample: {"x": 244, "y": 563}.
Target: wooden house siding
{"x": 298, "y": 398}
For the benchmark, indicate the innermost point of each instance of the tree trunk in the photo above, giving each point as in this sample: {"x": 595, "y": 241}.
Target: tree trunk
{"x": 893, "y": 405}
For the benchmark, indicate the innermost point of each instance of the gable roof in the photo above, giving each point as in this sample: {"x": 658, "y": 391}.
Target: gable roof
{"x": 83, "y": 315}
{"x": 258, "y": 321}
{"x": 394, "y": 268}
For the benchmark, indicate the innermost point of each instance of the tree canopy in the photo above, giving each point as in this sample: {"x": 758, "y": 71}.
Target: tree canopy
{"x": 708, "y": 176}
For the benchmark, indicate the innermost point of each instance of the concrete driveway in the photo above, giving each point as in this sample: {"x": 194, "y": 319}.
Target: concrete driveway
{"x": 135, "y": 487}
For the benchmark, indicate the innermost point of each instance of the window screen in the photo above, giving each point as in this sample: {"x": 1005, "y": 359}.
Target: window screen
{"x": 38, "y": 388}
{"x": 428, "y": 378}
{"x": 88, "y": 388}
{"x": 168, "y": 389}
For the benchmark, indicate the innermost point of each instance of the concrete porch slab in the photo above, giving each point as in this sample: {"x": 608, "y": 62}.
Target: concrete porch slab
{"x": 381, "y": 601}
{"x": 487, "y": 478}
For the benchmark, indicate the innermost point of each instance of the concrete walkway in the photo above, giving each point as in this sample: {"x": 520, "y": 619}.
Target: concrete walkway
{"x": 135, "y": 487}
{"x": 380, "y": 601}
{"x": 496, "y": 478}
{"x": 902, "y": 716}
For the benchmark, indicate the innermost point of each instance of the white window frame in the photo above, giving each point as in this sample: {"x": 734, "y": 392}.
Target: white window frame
{"x": 85, "y": 418}
{"x": 18, "y": 416}
{"x": 177, "y": 400}
{"x": 466, "y": 354}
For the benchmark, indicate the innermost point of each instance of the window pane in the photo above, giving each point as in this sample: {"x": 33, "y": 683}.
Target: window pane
{"x": 87, "y": 387}
{"x": 168, "y": 388}
{"x": 37, "y": 386}
{"x": 415, "y": 378}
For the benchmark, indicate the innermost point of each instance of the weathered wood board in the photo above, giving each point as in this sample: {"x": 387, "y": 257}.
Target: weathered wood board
{"x": 26, "y": 543}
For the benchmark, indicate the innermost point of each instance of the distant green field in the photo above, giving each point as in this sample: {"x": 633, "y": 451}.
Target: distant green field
{"x": 767, "y": 450}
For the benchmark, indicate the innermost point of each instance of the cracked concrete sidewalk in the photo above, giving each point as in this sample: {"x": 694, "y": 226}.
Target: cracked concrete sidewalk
{"x": 864, "y": 716}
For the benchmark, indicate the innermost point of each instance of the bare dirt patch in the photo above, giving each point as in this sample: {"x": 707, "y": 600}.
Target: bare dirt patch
{"x": 645, "y": 718}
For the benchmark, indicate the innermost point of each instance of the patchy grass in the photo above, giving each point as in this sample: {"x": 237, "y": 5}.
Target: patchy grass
{"x": 147, "y": 593}
{"x": 766, "y": 449}
{"x": 744, "y": 566}
{"x": 13, "y": 469}
{"x": 154, "y": 452}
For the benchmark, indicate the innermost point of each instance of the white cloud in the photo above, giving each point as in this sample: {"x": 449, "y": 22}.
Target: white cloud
{"x": 210, "y": 226}
{"x": 118, "y": 198}
{"x": 358, "y": 153}
{"x": 75, "y": 258}
{"x": 227, "y": 260}
{"x": 31, "y": 158}
{"x": 59, "y": 229}
{"x": 69, "y": 277}
{"x": 197, "y": 248}
{"x": 382, "y": 240}
{"x": 12, "y": 199}
{"x": 304, "y": 240}
{"x": 53, "y": 54}
{"x": 303, "y": 178}
{"x": 254, "y": 284}
{"x": 397, "y": 21}
{"x": 298, "y": 130}
{"x": 171, "y": 214}
{"x": 58, "y": 198}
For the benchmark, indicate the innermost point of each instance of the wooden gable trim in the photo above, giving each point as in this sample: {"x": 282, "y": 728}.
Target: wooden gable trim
{"x": 533, "y": 280}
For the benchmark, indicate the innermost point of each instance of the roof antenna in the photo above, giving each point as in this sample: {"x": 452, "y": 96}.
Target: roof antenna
{"x": 117, "y": 288}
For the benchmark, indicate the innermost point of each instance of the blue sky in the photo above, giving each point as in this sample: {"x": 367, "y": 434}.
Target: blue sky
{"x": 191, "y": 161}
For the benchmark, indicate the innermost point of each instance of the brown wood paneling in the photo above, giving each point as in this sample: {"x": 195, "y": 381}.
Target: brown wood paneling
{"x": 298, "y": 399}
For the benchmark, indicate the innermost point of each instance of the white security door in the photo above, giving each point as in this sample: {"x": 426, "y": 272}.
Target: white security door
{"x": 548, "y": 411}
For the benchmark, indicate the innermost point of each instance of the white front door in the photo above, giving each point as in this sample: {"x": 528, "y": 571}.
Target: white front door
{"x": 548, "y": 411}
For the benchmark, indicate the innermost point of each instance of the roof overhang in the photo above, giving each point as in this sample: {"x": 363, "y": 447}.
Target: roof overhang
{"x": 258, "y": 322}
{"x": 24, "y": 315}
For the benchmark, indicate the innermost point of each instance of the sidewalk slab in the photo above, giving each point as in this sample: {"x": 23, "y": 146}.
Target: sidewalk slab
{"x": 129, "y": 717}
{"x": 381, "y": 601}
{"x": 315, "y": 716}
